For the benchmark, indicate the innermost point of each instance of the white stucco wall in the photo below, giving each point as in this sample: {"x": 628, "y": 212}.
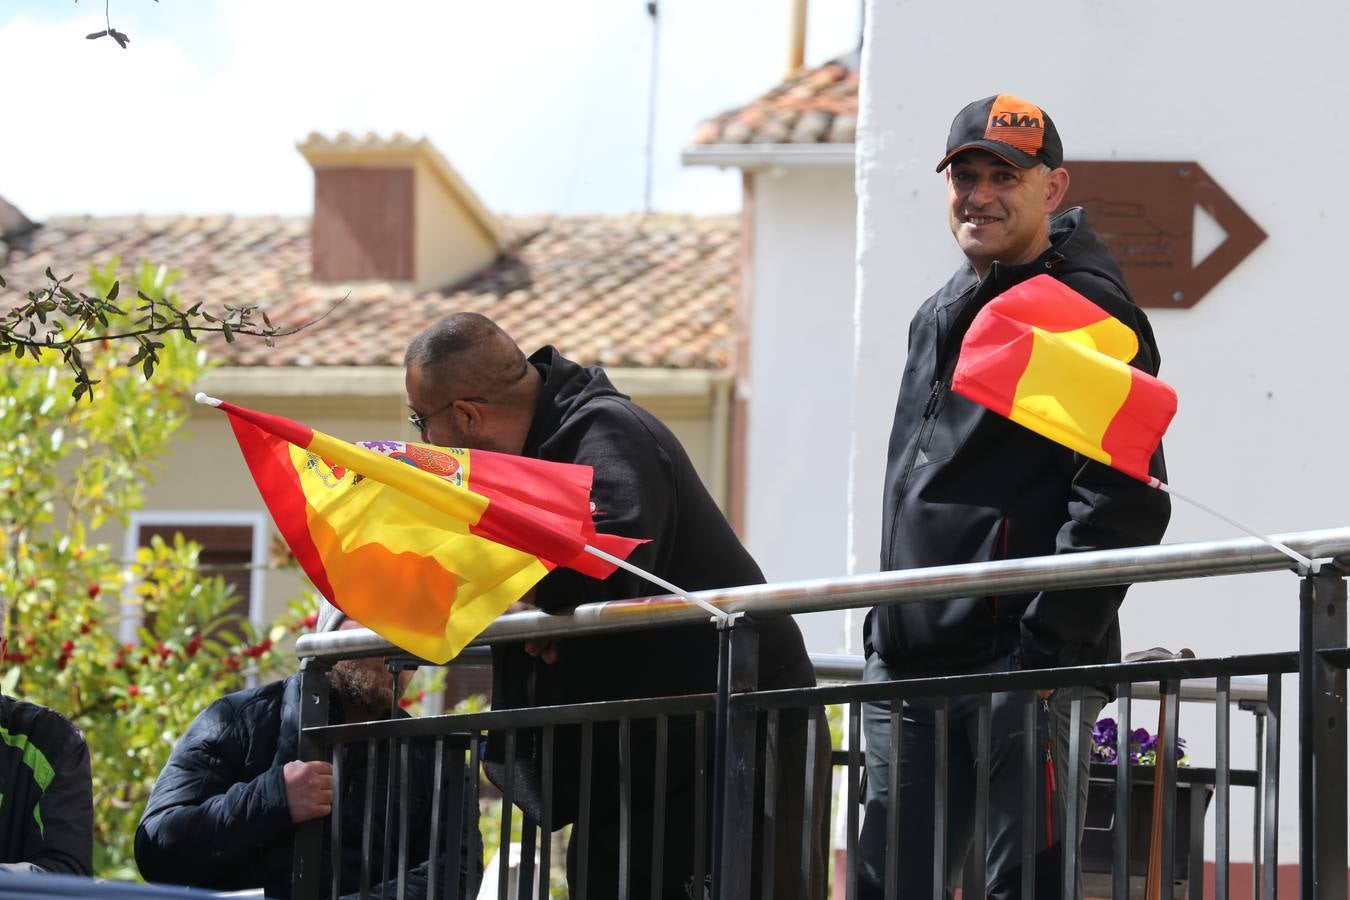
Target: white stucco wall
{"x": 1258, "y": 364}
{"x": 797, "y": 442}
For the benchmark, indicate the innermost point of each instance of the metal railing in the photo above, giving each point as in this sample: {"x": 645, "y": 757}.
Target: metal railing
{"x": 733, "y": 725}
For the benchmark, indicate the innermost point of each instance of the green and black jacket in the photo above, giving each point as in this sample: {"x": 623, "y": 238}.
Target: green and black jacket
{"x": 46, "y": 795}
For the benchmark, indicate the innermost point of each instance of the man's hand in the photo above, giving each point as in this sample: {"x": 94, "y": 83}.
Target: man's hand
{"x": 309, "y": 789}
{"x": 1045, "y": 693}
{"x": 547, "y": 650}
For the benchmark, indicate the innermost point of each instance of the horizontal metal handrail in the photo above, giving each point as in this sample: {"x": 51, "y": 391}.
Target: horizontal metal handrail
{"x": 1095, "y": 568}
{"x": 847, "y": 669}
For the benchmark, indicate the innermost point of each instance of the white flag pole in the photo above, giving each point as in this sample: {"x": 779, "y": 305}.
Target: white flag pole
{"x": 658, "y": 581}
{"x": 1305, "y": 564}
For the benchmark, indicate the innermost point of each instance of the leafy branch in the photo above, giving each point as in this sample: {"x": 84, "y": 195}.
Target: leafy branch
{"x": 57, "y": 319}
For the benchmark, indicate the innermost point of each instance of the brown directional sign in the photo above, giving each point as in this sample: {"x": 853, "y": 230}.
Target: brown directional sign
{"x": 1145, "y": 212}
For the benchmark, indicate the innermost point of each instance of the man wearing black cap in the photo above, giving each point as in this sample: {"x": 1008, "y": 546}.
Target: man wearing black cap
{"x": 964, "y": 484}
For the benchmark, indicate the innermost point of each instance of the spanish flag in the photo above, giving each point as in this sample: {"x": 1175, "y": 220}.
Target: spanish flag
{"x": 423, "y": 545}
{"x": 1050, "y": 359}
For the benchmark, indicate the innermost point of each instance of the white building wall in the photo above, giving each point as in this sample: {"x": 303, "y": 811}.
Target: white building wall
{"x": 797, "y": 442}
{"x": 1257, "y": 99}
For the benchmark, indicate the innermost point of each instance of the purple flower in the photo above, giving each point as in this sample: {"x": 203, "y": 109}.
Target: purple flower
{"x": 1143, "y": 745}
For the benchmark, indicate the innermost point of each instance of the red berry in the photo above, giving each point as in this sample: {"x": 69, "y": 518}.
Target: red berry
{"x": 93, "y": 591}
{"x": 67, "y": 647}
{"x": 62, "y": 663}
{"x": 133, "y": 691}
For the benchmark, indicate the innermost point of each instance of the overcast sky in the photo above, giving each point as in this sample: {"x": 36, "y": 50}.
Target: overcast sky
{"x": 540, "y": 104}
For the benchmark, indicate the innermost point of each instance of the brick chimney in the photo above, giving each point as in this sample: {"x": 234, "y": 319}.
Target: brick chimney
{"x": 394, "y": 210}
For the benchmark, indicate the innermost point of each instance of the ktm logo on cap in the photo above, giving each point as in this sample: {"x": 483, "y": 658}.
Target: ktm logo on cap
{"x": 1013, "y": 120}
{"x": 1016, "y": 122}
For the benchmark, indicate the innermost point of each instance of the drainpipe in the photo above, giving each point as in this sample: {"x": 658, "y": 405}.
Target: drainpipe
{"x": 797, "y": 38}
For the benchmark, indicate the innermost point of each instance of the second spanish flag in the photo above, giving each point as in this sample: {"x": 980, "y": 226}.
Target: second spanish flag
{"x": 1048, "y": 358}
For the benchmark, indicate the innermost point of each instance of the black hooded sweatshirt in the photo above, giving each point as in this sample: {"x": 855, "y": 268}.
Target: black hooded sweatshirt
{"x": 644, "y": 487}
{"x": 964, "y": 484}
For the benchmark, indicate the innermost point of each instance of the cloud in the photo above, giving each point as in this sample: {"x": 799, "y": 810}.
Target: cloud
{"x": 541, "y": 105}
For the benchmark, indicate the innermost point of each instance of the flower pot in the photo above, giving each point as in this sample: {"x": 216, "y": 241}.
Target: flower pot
{"x": 1099, "y": 829}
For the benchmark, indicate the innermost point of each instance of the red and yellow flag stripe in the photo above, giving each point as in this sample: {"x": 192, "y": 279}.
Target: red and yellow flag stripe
{"x": 1053, "y": 361}
{"x": 424, "y": 545}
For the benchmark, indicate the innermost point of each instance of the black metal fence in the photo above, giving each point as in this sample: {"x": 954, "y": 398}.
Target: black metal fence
{"x": 692, "y": 796}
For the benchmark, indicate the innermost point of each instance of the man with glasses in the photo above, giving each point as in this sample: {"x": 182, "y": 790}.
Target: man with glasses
{"x": 469, "y": 385}
{"x": 963, "y": 485}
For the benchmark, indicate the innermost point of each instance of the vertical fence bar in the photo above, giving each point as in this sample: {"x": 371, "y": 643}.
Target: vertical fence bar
{"x": 402, "y": 886}
{"x": 508, "y": 799}
{"x": 525, "y": 882}
{"x": 1258, "y": 794}
{"x": 583, "y": 824}
{"x": 658, "y": 854}
{"x": 453, "y": 841}
{"x": 546, "y": 816}
{"x": 721, "y": 726}
{"x": 771, "y": 812}
{"x": 1166, "y": 769}
{"x": 368, "y": 818}
{"x": 1328, "y": 630}
{"x": 1270, "y": 831}
{"x": 391, "y": 778}
{"x": 809, "y": 808}
{"x": 1069, "y": 839}
{"x": 1307, "y": 867}
{"x": 854, "y": 780}
{"x": 625, "y": 805}
{"x": 893, "y": 801}
{"x": 470, "y": 807}
{"x": 437, "y": 798}
{"x": 1222, "y": 786}
{"x": 940, "y": 740}
{"x": 307, "y": 850}
{"x": 737, "y": 776}
{"x": 1031, "y": 833}
{"x": 979, "y": 844}
{"x": 1120, "y": 830}
{"x": 335, "y": 834}
{"x": 1195, "y": 874}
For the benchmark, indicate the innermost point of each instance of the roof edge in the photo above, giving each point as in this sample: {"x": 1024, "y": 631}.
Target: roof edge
{"x": 387, "y": 381}
{"x": 758, "y": 156}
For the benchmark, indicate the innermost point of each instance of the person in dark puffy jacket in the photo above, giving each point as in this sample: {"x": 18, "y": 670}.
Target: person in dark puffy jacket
{"x": 224, "y": 810}
{"x": 964, "y": 484}
{"x": 46, "y": 791}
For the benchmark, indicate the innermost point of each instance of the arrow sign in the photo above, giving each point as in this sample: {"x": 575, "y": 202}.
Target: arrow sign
{"x": 1145, "y": 212}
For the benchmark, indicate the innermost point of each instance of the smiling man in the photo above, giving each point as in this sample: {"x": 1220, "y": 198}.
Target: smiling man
{"x": 963, "y": 485}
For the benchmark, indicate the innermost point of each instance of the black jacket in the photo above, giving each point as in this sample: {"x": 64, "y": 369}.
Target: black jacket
{"x": 644, "y": 486}
{"x": 217, "y": 817}
{"x": 46, "y": 794}
{"x": 964, "y": 484}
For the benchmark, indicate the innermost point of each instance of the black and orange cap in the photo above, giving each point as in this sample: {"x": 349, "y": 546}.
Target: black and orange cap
{"x": 1015, "y": 130}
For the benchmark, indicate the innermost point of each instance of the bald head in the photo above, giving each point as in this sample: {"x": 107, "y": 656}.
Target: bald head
{"x": 468, "y": 353}
{"x": 471, "y": 384}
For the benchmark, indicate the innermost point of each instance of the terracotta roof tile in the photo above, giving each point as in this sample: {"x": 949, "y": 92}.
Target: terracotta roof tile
{"x": 653, "y": 291}
{"x": 814, "y": 106}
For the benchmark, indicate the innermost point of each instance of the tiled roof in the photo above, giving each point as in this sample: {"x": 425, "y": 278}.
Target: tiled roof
{"x": 643, "y": 291}
{"x": 812, "y": 107}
